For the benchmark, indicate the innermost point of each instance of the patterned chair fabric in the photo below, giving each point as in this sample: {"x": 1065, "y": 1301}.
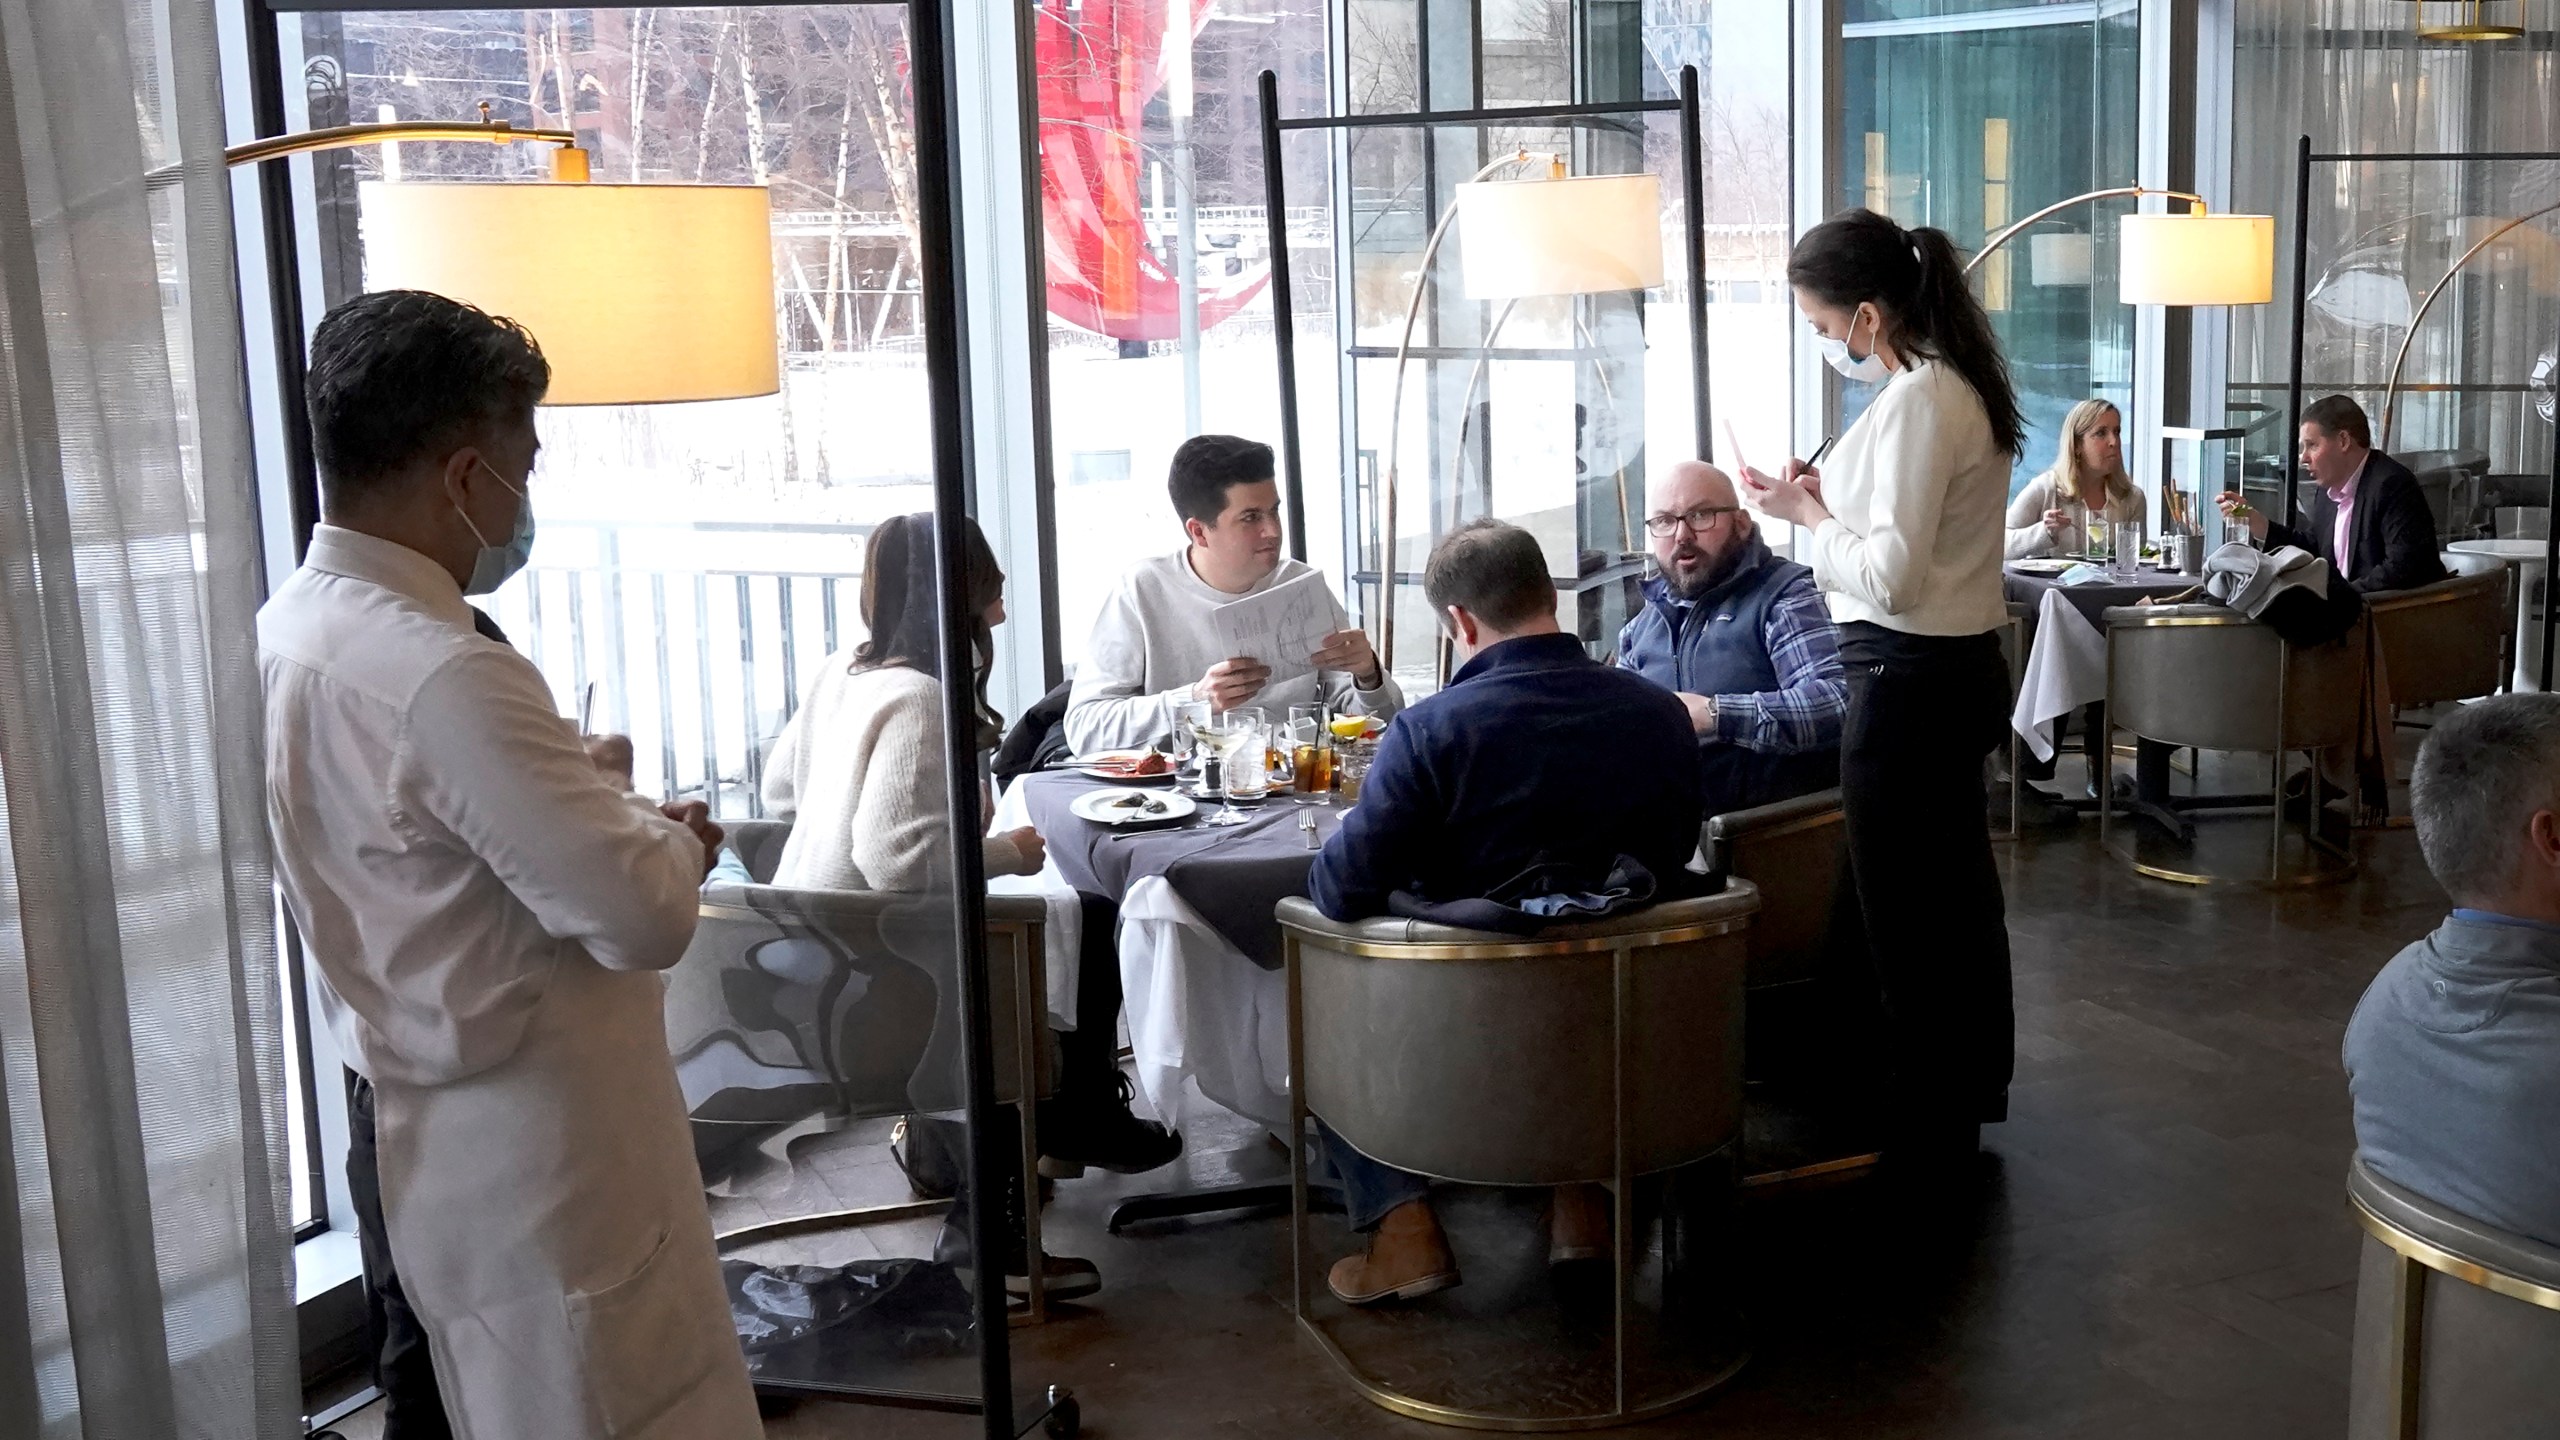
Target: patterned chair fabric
{"x": 838, "y": 1005}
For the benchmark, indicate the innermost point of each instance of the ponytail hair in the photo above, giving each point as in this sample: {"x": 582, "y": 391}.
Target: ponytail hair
{"x": 1916, "y": 278}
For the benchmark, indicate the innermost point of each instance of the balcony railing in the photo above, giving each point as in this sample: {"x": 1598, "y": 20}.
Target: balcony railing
{"x": 697, "y": 638}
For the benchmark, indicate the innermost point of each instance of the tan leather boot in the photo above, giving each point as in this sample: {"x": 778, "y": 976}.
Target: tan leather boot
{"x": 1578, "y": 1224}
{"x": 1408, "y": 1257}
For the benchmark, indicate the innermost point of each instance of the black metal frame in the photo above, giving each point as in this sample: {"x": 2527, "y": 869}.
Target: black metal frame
{"x": 2305, "y": 158}
{"x": 1284, "y": 332}
{"x": 931, "y": 43}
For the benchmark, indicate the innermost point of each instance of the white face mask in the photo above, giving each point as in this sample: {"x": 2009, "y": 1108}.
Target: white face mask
{"x": 1867, "y": 369}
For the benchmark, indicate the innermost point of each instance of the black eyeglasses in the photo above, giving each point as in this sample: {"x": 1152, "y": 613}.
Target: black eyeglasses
{"x": 1662, "y": 527}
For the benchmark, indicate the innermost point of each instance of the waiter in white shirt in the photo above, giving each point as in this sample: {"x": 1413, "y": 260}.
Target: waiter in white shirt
{"x": 486, "y": 906}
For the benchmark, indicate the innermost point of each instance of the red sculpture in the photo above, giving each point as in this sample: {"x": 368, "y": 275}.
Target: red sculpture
{"x": 1100, "y": 62}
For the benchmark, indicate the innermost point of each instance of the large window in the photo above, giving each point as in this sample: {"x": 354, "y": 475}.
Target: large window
{"x": 1146, "y": 139}
{"x": 1971, "y": 114}
{"x": 1152, "y": 208}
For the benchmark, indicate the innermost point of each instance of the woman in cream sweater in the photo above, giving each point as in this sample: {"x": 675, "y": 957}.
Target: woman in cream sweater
{"x": 1906, "y": 542}
{"x": 859, "y": 771}
{"x": 2087, "y": 485}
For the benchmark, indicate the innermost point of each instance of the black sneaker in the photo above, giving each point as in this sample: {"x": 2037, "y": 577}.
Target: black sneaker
{"x": 1075, "y": 1133}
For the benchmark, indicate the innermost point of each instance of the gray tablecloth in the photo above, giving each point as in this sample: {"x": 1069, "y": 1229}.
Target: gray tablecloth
{"x": 2095, "y": 598}
{"x": 1234, "y": 875}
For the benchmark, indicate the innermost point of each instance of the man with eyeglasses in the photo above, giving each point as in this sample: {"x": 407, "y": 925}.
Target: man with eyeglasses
{"x": 1743, "y": 638}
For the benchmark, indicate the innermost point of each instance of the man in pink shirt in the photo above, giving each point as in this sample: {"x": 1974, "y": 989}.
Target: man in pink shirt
{"x": 2370, "y": 519}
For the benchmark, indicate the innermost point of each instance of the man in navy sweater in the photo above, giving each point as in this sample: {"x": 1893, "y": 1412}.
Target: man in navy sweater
{"x": 1539, "y": 778}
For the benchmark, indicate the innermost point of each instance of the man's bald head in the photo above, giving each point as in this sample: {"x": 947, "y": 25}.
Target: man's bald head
{"x": 1684, "y": 484}
{"x": 1694, "y": 558}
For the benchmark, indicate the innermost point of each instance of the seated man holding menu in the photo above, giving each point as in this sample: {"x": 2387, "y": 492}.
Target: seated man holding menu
{"x": 2449, "y": 1054}
{"x": 1540, "y": 778}
{"x": 1745, "y": 641}
{"x": 1157, "y": 641}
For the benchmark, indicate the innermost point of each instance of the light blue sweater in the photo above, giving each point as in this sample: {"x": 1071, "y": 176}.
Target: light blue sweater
{"x": 2453, "y": 1059}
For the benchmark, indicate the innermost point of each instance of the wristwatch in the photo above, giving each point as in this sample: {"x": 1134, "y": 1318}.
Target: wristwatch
{"x": 1712, "y": 728}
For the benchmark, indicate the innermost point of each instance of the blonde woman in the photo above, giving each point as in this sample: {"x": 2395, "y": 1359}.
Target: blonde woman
{"x": 2086, "y": 485}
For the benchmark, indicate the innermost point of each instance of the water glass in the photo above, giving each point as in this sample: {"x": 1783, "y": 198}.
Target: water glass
{"x": 1190, "y": 753}
{"x": 2127, "y": 555}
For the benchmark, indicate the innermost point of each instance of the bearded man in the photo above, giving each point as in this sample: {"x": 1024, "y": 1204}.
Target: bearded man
{"x": 1743, "y": 638}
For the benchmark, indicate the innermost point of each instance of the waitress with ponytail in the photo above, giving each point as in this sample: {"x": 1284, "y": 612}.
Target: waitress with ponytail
{"x": 1906, "y": 542}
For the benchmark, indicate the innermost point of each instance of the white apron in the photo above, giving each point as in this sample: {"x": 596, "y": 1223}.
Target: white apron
{"x": 549, "y": 1222}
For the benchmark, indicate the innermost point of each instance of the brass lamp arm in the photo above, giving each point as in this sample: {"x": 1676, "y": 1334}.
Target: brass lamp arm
{"x": 2117, "y": 193}
{"x": 2400, "y": 357}
{"x": 348, "y": 137}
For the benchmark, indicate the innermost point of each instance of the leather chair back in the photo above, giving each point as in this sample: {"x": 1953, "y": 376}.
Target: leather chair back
{"x": 2457, "y": 1330}
{"x": 2206, "y": 676}
{"x": 1790, "y": 852}
{"x": 1488, "y": 1059}
{"x": 2442, "y": 641}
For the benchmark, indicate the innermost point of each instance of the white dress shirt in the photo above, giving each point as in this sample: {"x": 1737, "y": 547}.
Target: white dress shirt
{"x": 1916, "y": 490}
{"x": 441, "y": 836}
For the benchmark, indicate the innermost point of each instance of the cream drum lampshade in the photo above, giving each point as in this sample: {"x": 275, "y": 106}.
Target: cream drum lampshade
{"x": 2197, "y": 260}
{"x": 1579, "y": 235}
{"x": 637, "y": 294}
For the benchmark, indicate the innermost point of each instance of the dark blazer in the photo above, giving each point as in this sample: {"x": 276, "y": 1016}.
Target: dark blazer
{"x": 1536, "y": 754}
{"x": 2395, "y": 532}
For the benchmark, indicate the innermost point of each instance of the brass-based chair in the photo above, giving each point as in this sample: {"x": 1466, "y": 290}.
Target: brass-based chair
{"x": 2460, "y": 564}
{"x": 2457, "y": 1331}
{"x": 1478, "y": 1058}
{"x": 1790, "y": 852}
{"x": 2208, "y": 678}
{"x": 802, "y": 1008}
{"x": 2445, "y": 641}
{"x": 2016, "y": 633}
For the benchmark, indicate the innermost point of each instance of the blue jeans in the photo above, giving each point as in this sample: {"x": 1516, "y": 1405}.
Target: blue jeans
{"x": 1369, "y": 1189}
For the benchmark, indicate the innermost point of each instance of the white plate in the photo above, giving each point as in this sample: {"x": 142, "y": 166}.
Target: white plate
{"x": 1129, "y": 807}
{"x": 1118, "y": 777}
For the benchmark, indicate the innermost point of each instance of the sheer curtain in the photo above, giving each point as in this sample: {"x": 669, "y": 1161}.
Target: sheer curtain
{"x": 145, "y": 1259}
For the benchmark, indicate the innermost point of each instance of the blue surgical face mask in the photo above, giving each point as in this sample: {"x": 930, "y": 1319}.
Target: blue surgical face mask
{"x": 497, "y": 564}
{"x": 1867, "y": 369}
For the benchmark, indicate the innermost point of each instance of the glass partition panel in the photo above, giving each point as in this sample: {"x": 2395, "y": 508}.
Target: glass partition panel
{"x": 2432, "y": 294}
{"x": 2389, "y": 238}
{"x": 697, "y": 583}
{"x": 696, "y": 563}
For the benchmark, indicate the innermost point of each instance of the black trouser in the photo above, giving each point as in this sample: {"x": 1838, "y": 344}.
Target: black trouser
{"x": 1920, "y": 950}
{"x": 402, "y": 1370}
{"x": 1089, "y": 1055}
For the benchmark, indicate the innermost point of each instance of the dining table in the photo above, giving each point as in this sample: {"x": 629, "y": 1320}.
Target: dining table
{"x": 2066, "y": 665}
{"x": 2066, "y": 670}
{"x": 1203, "y": 991}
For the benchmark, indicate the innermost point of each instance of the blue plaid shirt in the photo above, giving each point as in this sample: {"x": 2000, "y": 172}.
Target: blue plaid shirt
{"x": 1804, "y": 712}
